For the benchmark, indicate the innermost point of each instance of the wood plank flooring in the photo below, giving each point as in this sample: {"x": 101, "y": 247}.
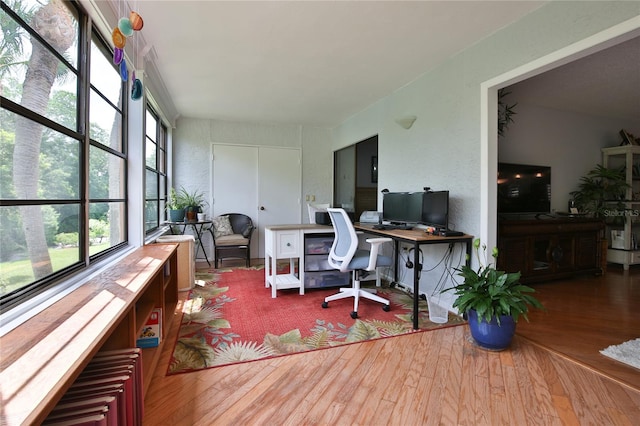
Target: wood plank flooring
{"x": 552, "y": 374}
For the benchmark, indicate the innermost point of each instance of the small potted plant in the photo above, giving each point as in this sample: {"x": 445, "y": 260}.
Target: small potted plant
{"x": 175, "y": 207}
{"x": 192, "y": 202}
{"x": 492, "y": 301}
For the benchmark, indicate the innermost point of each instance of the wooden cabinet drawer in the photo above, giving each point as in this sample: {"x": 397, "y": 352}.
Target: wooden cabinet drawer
{"x": 288, "y": 244}
{"x": 550, "y": 248}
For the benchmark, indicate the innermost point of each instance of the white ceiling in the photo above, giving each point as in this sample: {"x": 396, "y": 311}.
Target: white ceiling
{"x": 306, "y": 62}
{"x": 320, "y": 62}
{"x": 605, "y": 84}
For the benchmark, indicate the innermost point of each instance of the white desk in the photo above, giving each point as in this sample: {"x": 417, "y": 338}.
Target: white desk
{"x": 287, "y": 242}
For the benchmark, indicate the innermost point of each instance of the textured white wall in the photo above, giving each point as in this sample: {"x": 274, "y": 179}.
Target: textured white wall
{"x": 192, "y": 152}
{"x": 317, "y": 167}
{"x": 442, "y": 149}
{"x": 569, "y": 143}
{"x": 192, "y": 140}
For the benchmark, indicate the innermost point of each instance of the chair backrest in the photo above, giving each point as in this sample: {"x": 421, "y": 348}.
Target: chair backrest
{"x": 345, "y": 242}
{"x": 314, "y": 208}
{"x": 239, "y": 221}
{"x": 240, "y": 224}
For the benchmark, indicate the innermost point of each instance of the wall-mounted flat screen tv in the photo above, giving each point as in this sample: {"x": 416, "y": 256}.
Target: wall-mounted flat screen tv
{"x": 524, "y": 188}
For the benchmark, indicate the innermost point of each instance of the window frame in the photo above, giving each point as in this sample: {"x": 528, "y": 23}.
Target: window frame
{"x": 60, "y": 280}
{"x": 160, "y": 169}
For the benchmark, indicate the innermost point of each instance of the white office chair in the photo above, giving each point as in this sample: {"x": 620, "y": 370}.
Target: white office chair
{"x": 314, "y": 208}
{"x": 345, "y": 256}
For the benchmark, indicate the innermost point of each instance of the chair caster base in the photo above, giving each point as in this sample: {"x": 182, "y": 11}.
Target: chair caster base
{"x": 386, "y": 308}
{"x": 325, "y": 305}
{"x": 354, "y": 315}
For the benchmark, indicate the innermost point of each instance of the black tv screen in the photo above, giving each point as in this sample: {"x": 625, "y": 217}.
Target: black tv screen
{"x": 402, "y": 207}
{"x": 524, "y": 188}
{"x": 435, "y": 209}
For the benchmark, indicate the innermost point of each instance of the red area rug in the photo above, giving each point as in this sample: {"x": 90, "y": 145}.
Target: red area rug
{"x": 232, "y": 318}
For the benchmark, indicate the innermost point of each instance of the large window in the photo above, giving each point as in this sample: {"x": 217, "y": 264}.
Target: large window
{"x": 62, "y": 151}
{"x": 155, "y": 170}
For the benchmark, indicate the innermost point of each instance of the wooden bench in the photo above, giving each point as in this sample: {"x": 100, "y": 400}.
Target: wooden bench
{"x": 42, "y": 357}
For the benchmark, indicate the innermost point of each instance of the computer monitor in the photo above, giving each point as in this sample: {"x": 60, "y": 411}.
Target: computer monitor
{"x": 435, "y": 209}
{"x": 402, "y": 207}
{"x": 414, "y": 207}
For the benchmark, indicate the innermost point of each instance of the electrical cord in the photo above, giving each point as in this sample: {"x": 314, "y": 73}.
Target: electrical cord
{"x": 447, "y": 272}
{"x": 451, "y": 257}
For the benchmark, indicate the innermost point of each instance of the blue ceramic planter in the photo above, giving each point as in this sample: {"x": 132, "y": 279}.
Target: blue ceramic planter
{"x": 490, "y": 335}
{"x": 176, "y": 215}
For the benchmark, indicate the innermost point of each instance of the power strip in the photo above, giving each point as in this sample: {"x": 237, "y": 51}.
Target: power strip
{"x": 404, "y": 287}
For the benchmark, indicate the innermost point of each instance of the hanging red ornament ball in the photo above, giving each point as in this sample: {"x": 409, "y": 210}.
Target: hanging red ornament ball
{"x": 136, "y": 21}
{"x": 124, "y": 25}
{"x": 119, "y": 40}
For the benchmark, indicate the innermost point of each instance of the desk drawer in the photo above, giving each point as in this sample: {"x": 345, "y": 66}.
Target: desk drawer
{"x": 318, "y": 245}
{"x": 314, "y": 263}
{"x": 326, "y": 279}
{"x": 288, "y": 244}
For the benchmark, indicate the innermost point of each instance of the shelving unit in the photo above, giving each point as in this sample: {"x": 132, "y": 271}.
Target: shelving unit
{"x": 41, "y": 358}
{"x": 624, "y": 250}
{"x": 317, "y": 272}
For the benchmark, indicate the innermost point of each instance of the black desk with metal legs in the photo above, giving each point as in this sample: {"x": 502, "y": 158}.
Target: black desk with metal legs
{"x": 197, "y": 226}
{"x": 416, "y": 238}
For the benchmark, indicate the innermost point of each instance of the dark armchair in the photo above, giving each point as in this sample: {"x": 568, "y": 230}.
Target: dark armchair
{"x": 231, "y": 234}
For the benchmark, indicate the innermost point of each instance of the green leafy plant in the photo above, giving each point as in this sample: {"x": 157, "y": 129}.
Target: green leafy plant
{"x": 601, "y": 190}
{"x": 505, "y": 112}
{"x": 490, "y": 292}
{"x": 191, "y": 199}
{"x": 174, "y": 202}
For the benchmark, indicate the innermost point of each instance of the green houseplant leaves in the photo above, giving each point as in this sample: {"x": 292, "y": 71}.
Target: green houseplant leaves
{"x": 490, "y": 292}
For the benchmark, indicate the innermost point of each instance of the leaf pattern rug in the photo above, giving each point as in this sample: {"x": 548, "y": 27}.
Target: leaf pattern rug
{"x": 230, "y": 317}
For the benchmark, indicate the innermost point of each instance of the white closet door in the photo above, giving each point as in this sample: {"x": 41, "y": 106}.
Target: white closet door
{"x": 279, "y": 188}
{"x": 235, "y": 183}
{"x": 261, "y": 182}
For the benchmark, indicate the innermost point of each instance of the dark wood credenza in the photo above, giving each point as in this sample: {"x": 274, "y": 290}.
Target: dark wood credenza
{"x": 550, "y": 248}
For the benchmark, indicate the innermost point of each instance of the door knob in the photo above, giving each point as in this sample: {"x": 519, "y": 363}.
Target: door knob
{"x": 261, "y": 207}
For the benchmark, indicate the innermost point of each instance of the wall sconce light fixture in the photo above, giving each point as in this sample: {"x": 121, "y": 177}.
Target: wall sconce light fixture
{"x": 406, "y": 122}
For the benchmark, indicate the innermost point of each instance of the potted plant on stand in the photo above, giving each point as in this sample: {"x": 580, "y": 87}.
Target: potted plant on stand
{"x": 175, "y": 207}
{"x": 192, "y": 201}
{"x": 492, "y": 301}
{"x": 601, "y": 192}
{"x": 601, "y": 189}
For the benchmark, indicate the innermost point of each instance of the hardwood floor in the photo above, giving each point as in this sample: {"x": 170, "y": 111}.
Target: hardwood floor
{"x": 585, "y": 315}
{"x": 552, "y": 374}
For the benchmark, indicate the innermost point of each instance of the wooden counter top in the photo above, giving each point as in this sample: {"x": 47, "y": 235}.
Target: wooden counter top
{"x": 42, "y": 357}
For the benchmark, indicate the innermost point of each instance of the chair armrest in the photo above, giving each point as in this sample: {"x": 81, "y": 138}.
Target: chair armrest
{"x": 248, "y": 231}
{"x": 375, "y": 246}
{"x": 378, "y": 240}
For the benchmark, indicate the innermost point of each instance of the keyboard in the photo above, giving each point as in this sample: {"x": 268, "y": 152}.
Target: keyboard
{"x": 451, "y": 233}
{"x": 389, "y": 227}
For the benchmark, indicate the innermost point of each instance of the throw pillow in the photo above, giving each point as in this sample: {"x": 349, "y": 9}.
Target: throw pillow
{"x": 222, "y": 226}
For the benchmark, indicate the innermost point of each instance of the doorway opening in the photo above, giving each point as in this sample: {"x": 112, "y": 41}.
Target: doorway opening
{"x": 355, "y": 177}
